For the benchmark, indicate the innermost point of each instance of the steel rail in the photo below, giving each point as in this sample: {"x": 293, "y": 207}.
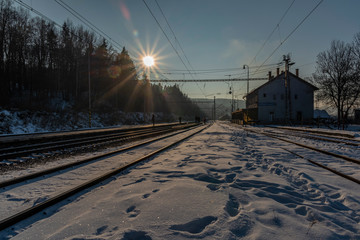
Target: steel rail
{"x": 68, "y": 141}
{"x": 63, "y": 135}
{"x": 348, "y": 136}
{"x": 312, "y": 148}
{"x": 73, "y": 164}
{"x": 5, "y": 223}
{"x": 74, "y": 143}
{"x": 325, "y": 167}
{"x": 314, "y": 162}
{"x": 323, "y": 138}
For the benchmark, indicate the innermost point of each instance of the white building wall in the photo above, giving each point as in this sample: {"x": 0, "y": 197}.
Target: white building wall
{"x": 271, "y": 104}
{"x": 302, "y": 99}
{"x": 271, "y": 100}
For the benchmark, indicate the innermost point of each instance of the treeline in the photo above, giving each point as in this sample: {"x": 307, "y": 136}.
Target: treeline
{"x": 40, "y": 63}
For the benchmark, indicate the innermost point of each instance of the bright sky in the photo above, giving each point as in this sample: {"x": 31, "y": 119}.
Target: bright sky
{"x": 217, "y": 36}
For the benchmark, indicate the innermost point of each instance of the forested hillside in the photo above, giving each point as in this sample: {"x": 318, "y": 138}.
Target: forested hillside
{"x": 44, "y": 66}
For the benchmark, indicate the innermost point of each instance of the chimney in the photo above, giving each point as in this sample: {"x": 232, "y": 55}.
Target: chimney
{"x": 277, "y": 71}
{"x": 297, "y": 72}
{"x": 269, "y": 75}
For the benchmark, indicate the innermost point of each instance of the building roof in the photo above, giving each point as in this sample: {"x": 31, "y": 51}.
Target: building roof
{"x": 321, "y": 114}
{"x": 280, "y": 76}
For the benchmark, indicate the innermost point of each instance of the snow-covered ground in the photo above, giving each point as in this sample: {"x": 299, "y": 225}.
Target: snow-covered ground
{"x": 224, "y": 183}
{"x": 20, "y": 122}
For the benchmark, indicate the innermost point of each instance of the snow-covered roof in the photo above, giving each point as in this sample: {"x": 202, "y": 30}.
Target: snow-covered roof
{"x": 321, "y": 114}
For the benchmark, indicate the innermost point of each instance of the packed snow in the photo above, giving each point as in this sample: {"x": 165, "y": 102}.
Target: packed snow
{"x": 224, "y": 183}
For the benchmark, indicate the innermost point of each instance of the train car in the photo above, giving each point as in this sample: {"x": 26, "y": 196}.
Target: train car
{"x": 237, "y": 117}
{"x": 245, "y": 116}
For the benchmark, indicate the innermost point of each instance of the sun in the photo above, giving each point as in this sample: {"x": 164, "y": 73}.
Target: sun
{"x": 148, "y": 61}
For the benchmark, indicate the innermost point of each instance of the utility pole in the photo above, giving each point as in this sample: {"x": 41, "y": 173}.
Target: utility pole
{"x": 232, "y": 94}
{"x": 247, "y": 93}
{"x": 247, "y": 67}
{"x": 288, "y": 109}
{"x": 232, "y": 98}
{"x": 214, "y": 109}
{"x": 89, "y": 82}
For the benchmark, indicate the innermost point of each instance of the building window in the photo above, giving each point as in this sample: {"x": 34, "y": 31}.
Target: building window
{"x": 274, "y": 96}
{"x": 264, "y": 95}
{"x": 296, "y": 97}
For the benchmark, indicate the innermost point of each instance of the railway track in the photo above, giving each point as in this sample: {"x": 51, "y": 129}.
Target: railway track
{"x": 18, "y": 149}
{"x": 323, "y": 133}
{"x": 56, "y": 185}
{"x": 311, "y": 134}
{"x": 344, "y": 161}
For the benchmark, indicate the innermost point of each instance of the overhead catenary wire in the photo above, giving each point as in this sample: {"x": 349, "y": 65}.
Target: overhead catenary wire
{"x": 176, "y": 40}
{"x": 276, "y": 26}
{"x": 212, "y": 70}
{"x": 166, "y": 36}
{"x": 302, "y": 21}
{"x": 168, "y": 39}
{"x": 21, "y": 3}
{"x": 89, "y": 24}
{"x": 172, "y": 31}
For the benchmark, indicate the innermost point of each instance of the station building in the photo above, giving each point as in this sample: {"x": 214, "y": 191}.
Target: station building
{"x": 285, "y": 98}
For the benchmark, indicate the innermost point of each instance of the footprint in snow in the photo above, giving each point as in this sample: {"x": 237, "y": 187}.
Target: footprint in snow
{"x": 230, "y": 177}
{"x": 132, "y": 211}
{"x": 213, "y": 187}
{"x": 232, "y": 206}
{"x": 136, "y": 235}
{"x": 146, "y": 195}
{"x": 101, "y": 230}
{"x": 195, "y": 226}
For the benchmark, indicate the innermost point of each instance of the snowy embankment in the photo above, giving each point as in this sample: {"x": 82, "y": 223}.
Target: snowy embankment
{"x": 19, "y": 122}
{"x": 224, "y": 183}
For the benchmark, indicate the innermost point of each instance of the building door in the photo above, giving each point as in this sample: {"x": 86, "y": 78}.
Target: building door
{"x": 299, "y": 116}
{"x": 271, "y": 116}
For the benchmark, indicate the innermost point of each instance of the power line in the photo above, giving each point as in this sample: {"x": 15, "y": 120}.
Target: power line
{"x": 21, "y": 3}
{"x": 291, "y": 33}
{"x": 268, "y": 38}
{"x": 264, "y": 70}
{"x": 177, "y": 53}
{"x": 214, "y": 70}
{"x": 87, "y": 22}
{"x": 208, "y": 80}
{"x": 174, "y": 34}
{"x": 178, "y": 44}
{"x": 37, "y": 12}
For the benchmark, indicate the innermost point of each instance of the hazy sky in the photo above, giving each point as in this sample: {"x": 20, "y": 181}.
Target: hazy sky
{"x": 217, "y": 35}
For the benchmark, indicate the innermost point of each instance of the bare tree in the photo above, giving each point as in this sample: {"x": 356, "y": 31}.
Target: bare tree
{"x": 356, "y": 47}
{"x": 336, "y": 76}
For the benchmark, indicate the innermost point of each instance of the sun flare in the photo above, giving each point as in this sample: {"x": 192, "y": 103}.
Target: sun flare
{"x": 148, "y": 61}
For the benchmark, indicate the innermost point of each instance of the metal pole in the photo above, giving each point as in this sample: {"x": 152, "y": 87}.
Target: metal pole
{"x": 89, "y": 81}
{"x": 247, "y": 92}
{"x": 214, "y": 109}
